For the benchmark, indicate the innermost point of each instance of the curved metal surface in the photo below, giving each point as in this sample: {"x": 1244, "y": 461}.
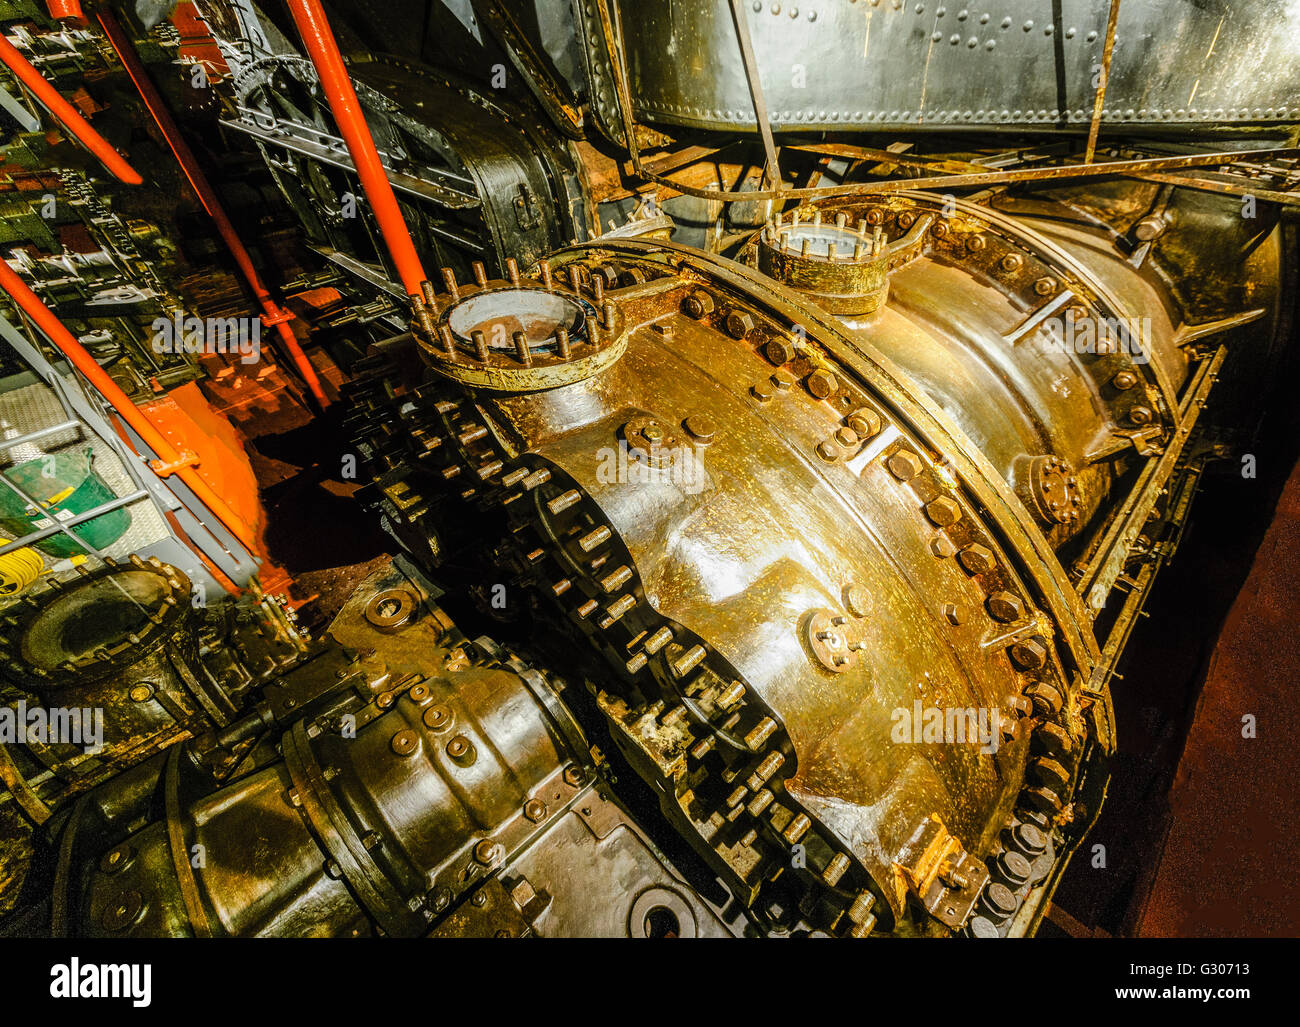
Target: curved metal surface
{"x": 779, "y": 541}
{"x": 936, "y": 430}
{"x": 899, "y": 64}
{"x": 467, "y": 188}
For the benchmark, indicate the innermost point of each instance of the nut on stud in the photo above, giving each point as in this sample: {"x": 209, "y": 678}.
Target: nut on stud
{"x": 821, "y": 384}
{"x": 739, "y": 324}
{"x": 865, "y": 422}
{"x": 698, "y": 304}
{"x": 904, "y": 465}
{"x": 1005, "y": 606}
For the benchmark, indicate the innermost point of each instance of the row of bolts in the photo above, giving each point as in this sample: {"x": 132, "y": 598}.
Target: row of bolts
{"x": 424, "y": 303}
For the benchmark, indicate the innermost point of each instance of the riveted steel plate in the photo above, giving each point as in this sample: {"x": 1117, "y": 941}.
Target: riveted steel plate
{"x": 918, "y": 63}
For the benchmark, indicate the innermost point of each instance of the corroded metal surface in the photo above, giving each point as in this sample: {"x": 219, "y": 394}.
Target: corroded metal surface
{"x": 784, "y": 531}
{"x": 441, "y": 787}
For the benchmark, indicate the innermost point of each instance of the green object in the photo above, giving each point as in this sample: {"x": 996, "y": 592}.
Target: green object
{"x": 65, "y": 485}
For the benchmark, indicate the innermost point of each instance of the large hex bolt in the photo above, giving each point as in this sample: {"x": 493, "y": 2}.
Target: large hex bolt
{"x": 1150, "y": 228}
{"x": 698, "y": 304}
{"x": 1043, "y": 799}
{"x": 1054, "y": 739}
{"x": 1046, "y": 699}
{"x": 1005, "y": 606}
{"x": 1029, "y": 653}
{"x": 739, "y": 324}
{"x": 487, "y": 852}
{"x": 865, "y": 422}
{"x": 943, "y": 511}
{"x": 821, "y": 384}
{"x": 779, "y": 351}
{"x": 904, "y": 465}
{"x": 977, "y": 559}
{"x": 1050, "y": 773}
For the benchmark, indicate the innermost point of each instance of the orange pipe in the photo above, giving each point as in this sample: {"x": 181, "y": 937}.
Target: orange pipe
{"x": 324, "y": 52}
{"x": 76, "y": 126}
{"x": 61, "y": 9}
{"x": 271, "y": 313}
{"x": 169, "y": 458}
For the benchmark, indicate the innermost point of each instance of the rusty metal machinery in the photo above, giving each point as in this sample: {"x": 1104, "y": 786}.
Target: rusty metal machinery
{"x": 127, "y": 644}
{"x": 780, "y": 527}
{"x": 424, "y": 783}
{"x": 770, "y": 585}
{"x": 122, "y": 640}
{"x": 468, "y": 188}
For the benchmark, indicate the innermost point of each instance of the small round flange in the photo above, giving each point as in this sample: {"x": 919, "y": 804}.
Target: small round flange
{"x": 390, "y": 609}
{"x": 827, "y": 634}
{"x": 523, "y": 337}
{"x": 651, "y": 440}
{"x": 1048, "y": 486}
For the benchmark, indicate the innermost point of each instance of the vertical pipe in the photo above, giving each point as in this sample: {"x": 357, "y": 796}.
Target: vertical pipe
{"x": 271, "y": 313}
{"x": 67, "y": 115}
{"x": 773, "y": 173}
{"x": 309, "y": 17}
{"x": 1094, "y": 127}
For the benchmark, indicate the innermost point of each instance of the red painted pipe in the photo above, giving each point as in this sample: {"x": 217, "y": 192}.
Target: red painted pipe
{"x": 169, "y": 460}
{"x": 61, "y": 9}
{"x": 67, "y": 115}
{"x": 271, "y": 312}
{"x": 324, "y": 52}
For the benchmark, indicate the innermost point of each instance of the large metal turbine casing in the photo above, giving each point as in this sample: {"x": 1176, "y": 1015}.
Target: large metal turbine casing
{"x": 793, "y": 536}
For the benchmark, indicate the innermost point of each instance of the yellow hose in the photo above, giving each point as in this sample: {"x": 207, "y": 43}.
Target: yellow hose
{"x": 19, "y": 569}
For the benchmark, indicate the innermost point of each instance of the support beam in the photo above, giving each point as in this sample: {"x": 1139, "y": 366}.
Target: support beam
{"x": 313, "y": 26}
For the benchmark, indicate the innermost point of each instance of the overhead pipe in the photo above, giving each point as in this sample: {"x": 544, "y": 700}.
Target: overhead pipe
{"x": 309, "y": 17}
{"x": 170, "y": 460}
{"x": 67, "y": 115}
{"x": 272, "y": 314}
